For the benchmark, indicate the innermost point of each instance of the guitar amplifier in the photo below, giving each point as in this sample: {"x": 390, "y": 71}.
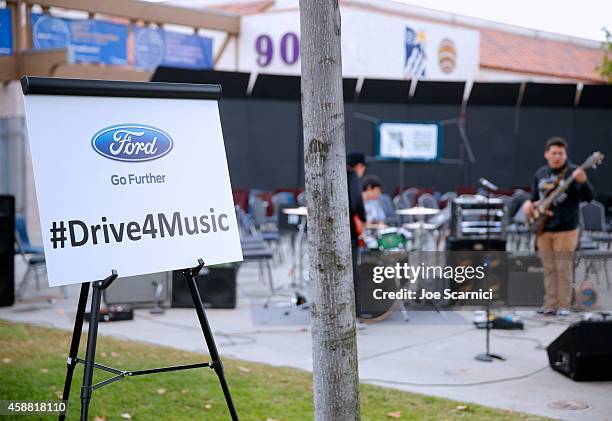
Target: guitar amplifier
{"x": 525, "y": 280}
{"x": 475, "y": 252}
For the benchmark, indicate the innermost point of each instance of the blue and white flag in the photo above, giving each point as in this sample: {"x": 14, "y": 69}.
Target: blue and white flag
{"x": 415, "y": 60}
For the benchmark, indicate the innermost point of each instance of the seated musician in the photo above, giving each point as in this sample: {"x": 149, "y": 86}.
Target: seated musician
{"x": 372, "y": 189}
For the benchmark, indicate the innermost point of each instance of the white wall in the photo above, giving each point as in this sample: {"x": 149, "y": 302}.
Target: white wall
{"x": 373, "y": 45}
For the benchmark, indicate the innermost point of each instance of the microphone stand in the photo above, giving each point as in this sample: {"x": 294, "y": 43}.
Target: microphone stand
{"x": 401, "y": 166}
{"x": 488, "y": 356}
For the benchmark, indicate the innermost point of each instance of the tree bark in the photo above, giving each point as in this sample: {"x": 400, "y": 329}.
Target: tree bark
{"x": 332, "y": 302}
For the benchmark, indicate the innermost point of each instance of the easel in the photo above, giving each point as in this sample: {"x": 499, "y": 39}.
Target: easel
{"x": 89, "y": 361}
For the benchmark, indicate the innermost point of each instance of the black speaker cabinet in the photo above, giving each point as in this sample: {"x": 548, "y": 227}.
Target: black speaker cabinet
{"x": 140, "y": 291}
{"x": 217, "y": 286}
{"x": 469, "y": 244}
{"x": 525, "y": 280}
{"x": 288, "y": 223}
{"x": 584, "y": 351}
{"x": 7, "y": 250}
{"x": 475, "y": 252}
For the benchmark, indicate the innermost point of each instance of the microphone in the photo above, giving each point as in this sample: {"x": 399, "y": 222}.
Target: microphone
{"x": 487, "y": 184}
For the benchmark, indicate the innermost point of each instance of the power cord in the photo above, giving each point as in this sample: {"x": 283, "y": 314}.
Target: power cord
{"x": 414, "y": 345}
{"x": 521, "y": 338}
{"x": 479, "y": 383}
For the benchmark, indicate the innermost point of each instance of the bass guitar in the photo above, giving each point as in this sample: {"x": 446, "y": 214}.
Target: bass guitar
{"x": 537, "y": 220}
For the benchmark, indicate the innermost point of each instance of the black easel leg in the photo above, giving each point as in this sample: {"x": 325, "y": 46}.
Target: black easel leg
{"x": 92, "y": 335}
{"x": 208, "y": 337}
{"x": 74, "y": 345}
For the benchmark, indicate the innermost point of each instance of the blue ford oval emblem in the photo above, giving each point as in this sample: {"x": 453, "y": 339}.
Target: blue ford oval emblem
{"x": 132, "y": 142}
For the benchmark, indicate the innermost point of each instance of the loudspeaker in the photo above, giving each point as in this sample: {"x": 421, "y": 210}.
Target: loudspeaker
{"x": 217, "y": 286}
{"x": 584, "y": 351}
{"x": 525, "y": 280}
{"x": 476, "y": 252}
{"x": 7, "y": 250}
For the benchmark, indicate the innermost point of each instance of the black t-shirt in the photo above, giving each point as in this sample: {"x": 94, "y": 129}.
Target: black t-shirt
{"x": 565, "y": 207}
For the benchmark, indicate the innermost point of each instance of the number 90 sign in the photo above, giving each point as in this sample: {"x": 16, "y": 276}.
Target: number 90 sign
{"x": 289, "y": 49}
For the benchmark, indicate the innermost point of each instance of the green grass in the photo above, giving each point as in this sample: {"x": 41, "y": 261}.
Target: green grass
{"x": 33, "y": 367}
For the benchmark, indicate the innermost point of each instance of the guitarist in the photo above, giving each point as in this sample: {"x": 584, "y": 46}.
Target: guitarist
{"x": 355, "y": 168}
{"x": 559, "y": 237}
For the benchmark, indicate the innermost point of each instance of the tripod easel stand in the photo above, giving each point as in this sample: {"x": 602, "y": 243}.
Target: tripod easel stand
{"x": 48, "y": 102}
{"x": 89, "y": 361}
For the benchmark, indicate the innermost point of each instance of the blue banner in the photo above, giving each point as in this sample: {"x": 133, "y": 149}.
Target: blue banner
{"x": 6, "y": 32}
{"x": 91, "y": 41}
{"x": 156, "y": 47}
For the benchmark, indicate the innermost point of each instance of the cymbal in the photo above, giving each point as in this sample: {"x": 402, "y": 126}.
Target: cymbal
{"x": 301, "y": 211}
{"x": 417, "y": 211}
{"x": 418, "y": 225}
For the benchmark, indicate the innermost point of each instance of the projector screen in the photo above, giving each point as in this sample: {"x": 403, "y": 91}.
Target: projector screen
{"x": 411, "y": 141}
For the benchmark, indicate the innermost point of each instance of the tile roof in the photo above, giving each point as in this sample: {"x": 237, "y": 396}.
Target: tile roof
{"x": 244, "y": 8}
{"x": 518, "y": 53}
{"x": 499, "y": 50}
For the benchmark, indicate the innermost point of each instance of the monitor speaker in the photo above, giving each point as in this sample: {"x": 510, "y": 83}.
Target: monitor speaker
{"x": 217, "y": 286}
{"x": 584, "y": 351}
{"x": 7, "y": 250}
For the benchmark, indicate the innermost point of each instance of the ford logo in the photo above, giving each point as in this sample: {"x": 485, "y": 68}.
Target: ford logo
{"x": 132, "y": 142}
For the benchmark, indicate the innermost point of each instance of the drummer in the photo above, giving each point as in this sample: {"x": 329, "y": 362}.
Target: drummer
{"x": 371, "y": 191}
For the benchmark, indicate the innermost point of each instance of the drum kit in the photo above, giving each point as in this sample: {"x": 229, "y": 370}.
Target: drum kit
{"x": 410, "y": 236}
{"x": 384, "y": 245}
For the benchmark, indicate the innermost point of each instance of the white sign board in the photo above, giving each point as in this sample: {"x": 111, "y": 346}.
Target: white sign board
{"x": 374, "y": 45}
{"x": 415, "y": 141}
{"x": 139, "y": 185}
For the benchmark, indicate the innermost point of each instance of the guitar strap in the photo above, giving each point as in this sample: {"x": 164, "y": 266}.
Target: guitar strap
{"x": 560, "y": 178}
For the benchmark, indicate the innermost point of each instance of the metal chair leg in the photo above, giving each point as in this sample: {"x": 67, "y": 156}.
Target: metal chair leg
{"x": 24, "y": 283}
{"x": 271, "y": 282}
{"x": 37, "y": 279}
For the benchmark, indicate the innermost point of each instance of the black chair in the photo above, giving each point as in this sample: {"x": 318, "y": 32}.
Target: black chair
{"x": 593, "y": 222}
{"x": 35, "y": 263}
{"x": 593, "y": 233}
{"x": 254, "y": 246}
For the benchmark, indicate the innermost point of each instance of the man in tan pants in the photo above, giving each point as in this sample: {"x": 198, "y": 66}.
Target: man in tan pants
{"x": 559, "y": 239}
